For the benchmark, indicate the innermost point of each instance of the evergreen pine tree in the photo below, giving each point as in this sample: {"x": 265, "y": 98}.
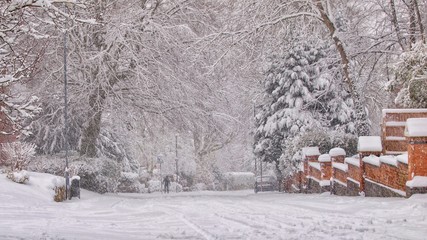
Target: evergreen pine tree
{"x": 300, "y": 96}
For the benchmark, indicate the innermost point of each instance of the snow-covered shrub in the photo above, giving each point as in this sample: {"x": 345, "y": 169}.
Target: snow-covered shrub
{"x": 325, "y": 140}
{"x": 18, "y": 177}
{"x": 59, "y": 194}
{"x": 239, "y": 180}
{"x": 128, "y": 182}
{"x": 411, "y": 77}
{"x": 199, "y": 187}
{"x": 97, "y": 174}
{"x": 175, "y": 187}
{"x": 154, "y": 186}
{"x": 58, "y": 185}
{"x": 17, "y": 155}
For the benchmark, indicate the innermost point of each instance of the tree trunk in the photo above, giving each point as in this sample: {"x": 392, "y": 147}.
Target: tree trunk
{"x": 362, "y": 126}
{"x": 412, "y": 23}
{"x": 91, "y": 131}
{"x": 396, "y": 25}
{"x": 419, "y": 20}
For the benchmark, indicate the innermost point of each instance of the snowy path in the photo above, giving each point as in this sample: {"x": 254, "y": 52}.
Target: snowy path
{"x": 208, "y": 215}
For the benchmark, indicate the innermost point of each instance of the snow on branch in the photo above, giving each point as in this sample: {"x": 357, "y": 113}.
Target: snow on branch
{"x": 19, "y": 4}
{"x": 48, "y": 4}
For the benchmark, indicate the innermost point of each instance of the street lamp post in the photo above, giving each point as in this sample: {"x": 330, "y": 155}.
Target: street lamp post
{"x": 254, "y": 102}
{"x": 160, "y": 161}
{"x": 67, "y": 177}
{"x": 176, "y": 162}
{"x": 260, "y": 162}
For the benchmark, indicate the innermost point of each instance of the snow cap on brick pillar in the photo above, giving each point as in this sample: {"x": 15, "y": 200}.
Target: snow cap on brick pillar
{"x": 370, "y": 145}
{"x": 367, "y": 146}
{"x": 337, "y": 155}
{"x": 416, "y": 134}
{"x": 309, "y": 154}
{"x": 325, "y": 166}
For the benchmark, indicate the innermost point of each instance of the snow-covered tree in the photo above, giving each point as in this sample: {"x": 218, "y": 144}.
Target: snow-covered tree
{"x": 301, "y": 96}
{"x": 21, "y": 46}
{"x": 410, "y": 82}
{"x": 16, "y": 155}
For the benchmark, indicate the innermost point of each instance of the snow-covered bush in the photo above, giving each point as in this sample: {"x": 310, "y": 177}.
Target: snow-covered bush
{"x": 129, "y": 182}
{"x": 58, "y": 185}
{"x": 175, "y": 187}
{"x": 411, "y": 77}
{"x": 199, "y": 187}
{"x": 239, "y": 180}
{"x": 154, "y": 186}
{"x": 325, "y": 140}
{"x": 97, "y": 174}
{"x": 18, "y": 177}
{"x": 17, "y": 155}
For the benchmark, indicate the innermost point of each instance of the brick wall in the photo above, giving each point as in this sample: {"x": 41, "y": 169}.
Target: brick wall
{"x": 372, "y": 172}
{"x": 340, "y": 175}
{"x": 393, "y": 128}
{"x": 382, "y": 176}
{"x": 314, "y": 172}
{"x": 417, "y": 152}
{"x": 389, "y": 175}
{"x": 354, "y": 172}
{"x": 293, "y": 184}
{"x": 326, "y": 170}
{"x": 402, "y": 176}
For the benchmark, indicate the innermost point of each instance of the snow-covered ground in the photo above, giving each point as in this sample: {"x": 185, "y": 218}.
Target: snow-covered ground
{"x": 28, "y": 212}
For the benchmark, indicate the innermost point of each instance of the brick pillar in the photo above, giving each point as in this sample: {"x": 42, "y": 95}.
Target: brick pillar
{"x": 362, "y": 167}
{"x": 416, "y": 134}
{"x": 367, "y": 145}
{"x": 310, "y": 154}
{"x": 325, "y": 166}
{"x": 417, "y": 157}
{"x": 337, "y": 155}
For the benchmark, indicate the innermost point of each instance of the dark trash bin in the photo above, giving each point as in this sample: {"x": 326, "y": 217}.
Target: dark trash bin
{"x": 75, "y": 187}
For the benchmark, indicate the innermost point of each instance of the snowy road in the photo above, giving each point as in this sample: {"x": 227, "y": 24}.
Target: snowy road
{"x": 208, "y": 215}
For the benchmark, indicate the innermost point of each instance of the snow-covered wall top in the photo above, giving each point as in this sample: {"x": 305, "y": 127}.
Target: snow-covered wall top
{"x": 417, "y": 181}
{"x": 369, "y": 144}
{"x": 416, "y": 127}
{"x": 374, "y": 160}
{"x": 405, "y": 110}
{"x": 337, "y": 152}
{"x": 391, "y": 160}
{"x": 395, "y": 124}
{"x": 403, "y": 158}
{"x": 324, "y": 158}
{"x": 314, "y": 165}
{"x": 310, "y": 151}
{"x": 341, "y": 166}
{"x": 353, "y": 161}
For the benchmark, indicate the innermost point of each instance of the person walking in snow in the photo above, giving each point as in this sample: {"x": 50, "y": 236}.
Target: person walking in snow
{"x": 166, "y": 183}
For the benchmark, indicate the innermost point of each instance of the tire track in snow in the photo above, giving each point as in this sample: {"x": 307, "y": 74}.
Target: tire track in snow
{"x": 198, "y": 229}
{"x": 205, "y": 234}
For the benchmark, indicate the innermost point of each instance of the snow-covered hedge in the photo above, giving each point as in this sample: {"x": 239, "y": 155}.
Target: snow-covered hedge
{"x": 129, "y": 183}
{"x": 239, "y": 180}
{"x": 16, "y": 155}
{"x": 18, "y": 177}
{"x": 97, "y": 174}
{"x": 154, "y": 186}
